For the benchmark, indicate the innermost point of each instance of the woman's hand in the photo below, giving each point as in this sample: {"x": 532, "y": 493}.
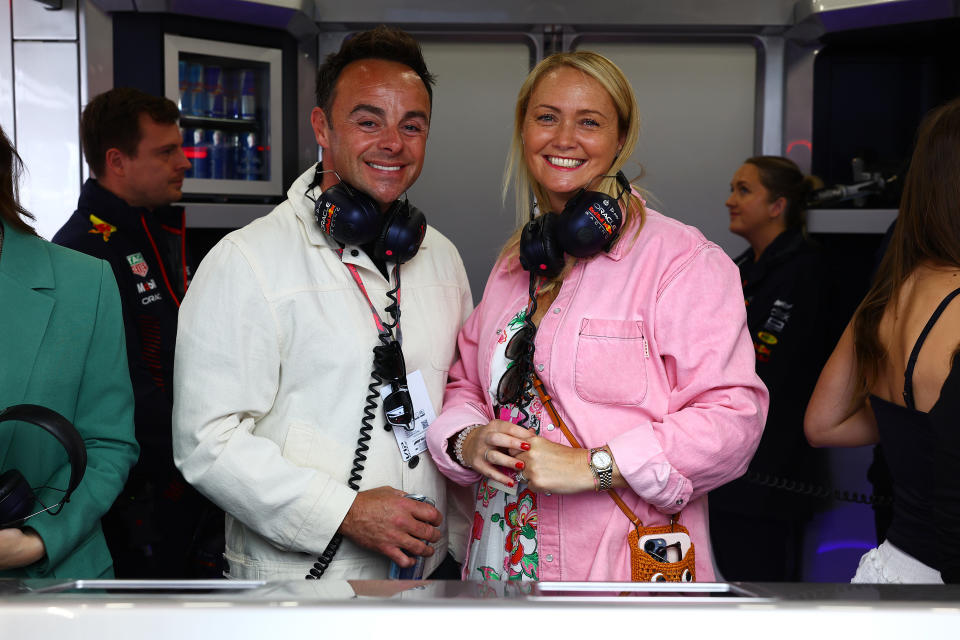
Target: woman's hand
{"x": 487, "y": 449}
{"x": 20, "y": 547}
{"x": 557, "y": 468}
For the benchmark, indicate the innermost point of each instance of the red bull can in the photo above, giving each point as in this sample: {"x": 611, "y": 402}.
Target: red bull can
{"x": 416, "y": 571}
{"x": 195, "y": 101}
{"x": 213, "y": 85}
{"x": 248, "y": 94}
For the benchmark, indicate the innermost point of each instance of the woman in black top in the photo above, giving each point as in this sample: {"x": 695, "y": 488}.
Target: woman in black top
{"x": 783, "y": 278}
{"x": 886, "y": 379}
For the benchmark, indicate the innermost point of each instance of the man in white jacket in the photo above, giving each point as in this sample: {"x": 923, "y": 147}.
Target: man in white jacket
{"x": 275, "y": 349}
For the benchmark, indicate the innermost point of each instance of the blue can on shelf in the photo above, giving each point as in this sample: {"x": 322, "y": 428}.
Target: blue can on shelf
{"x": 248, "y": 94}
{"x": 231, "y": 93}
{"x": 183, "y": 80}
{"x": 416, "y": 571}
{"x": 215, "y": 92}
{"x": 195, "y": 101}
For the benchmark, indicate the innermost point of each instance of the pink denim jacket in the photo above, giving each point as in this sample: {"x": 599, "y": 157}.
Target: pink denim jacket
{"x": 646, "y": 349}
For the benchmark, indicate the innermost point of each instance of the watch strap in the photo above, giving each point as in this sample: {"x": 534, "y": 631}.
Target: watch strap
{"x": 603, "y": 478}
{"x": 593, "y": 471}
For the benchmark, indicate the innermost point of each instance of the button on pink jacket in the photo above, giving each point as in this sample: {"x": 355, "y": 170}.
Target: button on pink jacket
{"x": 646, "y": 349}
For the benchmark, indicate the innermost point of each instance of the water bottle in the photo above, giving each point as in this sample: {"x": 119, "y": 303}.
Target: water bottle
{"x": 200, "y": 153}
{"x": 218, "y": 154}
{"x": 251, "y": 165}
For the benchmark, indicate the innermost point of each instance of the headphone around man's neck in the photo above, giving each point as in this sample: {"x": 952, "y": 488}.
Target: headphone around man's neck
{"x": 350, "y": 216}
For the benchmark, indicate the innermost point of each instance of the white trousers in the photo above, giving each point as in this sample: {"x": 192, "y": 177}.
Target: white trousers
{"x": 889, "y": 565}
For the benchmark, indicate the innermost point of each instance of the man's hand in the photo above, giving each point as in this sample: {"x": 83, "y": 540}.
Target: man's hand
{"x": 20, "y": 547}
{"x": 383, "y": 520}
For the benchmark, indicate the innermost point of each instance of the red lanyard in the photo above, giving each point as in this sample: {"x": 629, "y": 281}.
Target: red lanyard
{"x": 156, "y": 252}
{"x": 382, "y": 328}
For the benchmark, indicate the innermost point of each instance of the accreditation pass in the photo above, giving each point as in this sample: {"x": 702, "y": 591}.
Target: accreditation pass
{"x": 414, "y": 441}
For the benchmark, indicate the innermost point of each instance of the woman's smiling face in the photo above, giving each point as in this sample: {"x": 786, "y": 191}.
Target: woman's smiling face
{"x": 570, "y": 133}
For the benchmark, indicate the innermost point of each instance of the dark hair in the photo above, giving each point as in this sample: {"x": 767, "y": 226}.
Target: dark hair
{"x": 783, "y": 179}
{"x": 384, "y": 43}
{"x": 927, "y": 230}
{"x": 112, "y": 120}
{"x": 11, "y": 167}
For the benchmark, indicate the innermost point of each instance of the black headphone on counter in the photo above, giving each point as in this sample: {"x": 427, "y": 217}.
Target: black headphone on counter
{"x": 589, "y": 223}
{"x": 16, "y": 496}
{"x": 350, "y": 216}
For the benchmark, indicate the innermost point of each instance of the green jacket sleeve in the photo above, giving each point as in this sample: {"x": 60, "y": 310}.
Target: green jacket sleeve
{"x": 104, "y": 419}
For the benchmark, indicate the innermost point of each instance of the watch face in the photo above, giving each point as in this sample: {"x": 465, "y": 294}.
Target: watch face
{"x": 601, "y": 459}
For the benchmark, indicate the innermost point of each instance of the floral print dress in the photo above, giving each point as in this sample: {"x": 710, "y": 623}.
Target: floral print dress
{"x": 504, "y": 541}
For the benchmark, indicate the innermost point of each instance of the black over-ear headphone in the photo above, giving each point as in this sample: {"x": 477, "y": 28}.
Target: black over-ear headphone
{"x": 589, "y": 223}
{"x": 16, "y": 496}
{"x": 350, "y": 216}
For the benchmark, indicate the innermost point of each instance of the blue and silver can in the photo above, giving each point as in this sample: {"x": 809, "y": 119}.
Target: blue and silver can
{"x": 213, "y": 85}
{"x": 195, "y": 102}
{"x": 248, "y": 94}
{"x": 184, "y": 86}
{"x": 416, "y": 571}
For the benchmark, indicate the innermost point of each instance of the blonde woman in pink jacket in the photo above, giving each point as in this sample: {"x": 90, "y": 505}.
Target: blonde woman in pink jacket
{"x": 635, "y": 324}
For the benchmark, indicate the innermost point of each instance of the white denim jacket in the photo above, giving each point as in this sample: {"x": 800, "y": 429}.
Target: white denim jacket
{"x": 273, "y": 360}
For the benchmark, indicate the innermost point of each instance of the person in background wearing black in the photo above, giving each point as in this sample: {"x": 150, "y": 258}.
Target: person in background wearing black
{"x": 132, "y": 144}
{"x": 757, "y": 530}
{"x": 893, "y": 376}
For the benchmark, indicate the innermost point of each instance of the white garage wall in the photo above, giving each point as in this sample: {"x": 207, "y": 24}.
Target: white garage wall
{"x": 459, "y": 189}
{"x": 697, "y": 108}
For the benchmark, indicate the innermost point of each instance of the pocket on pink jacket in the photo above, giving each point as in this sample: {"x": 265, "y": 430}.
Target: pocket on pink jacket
{"x": 611, "y": 366}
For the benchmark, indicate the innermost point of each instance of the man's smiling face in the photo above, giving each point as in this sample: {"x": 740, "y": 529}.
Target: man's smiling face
{"x": 375, "y": 135}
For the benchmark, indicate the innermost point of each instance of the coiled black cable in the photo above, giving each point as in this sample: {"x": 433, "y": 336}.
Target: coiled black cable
{"x": 525, "y": 362}
{"x": 369, "y": 413}
{"x": 815, "y": 491}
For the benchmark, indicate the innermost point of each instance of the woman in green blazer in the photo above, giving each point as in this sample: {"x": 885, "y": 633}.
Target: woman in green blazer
{"x": 62, "y": 347}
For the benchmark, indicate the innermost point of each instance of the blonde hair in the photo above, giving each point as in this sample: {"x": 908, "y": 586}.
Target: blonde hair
{"x": 518, "y": 173}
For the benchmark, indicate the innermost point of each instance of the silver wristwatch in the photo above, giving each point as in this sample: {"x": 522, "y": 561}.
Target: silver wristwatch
{"x": 601, "y": 464}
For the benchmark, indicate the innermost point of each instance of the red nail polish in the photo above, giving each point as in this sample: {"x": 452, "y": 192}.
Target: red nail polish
{"x": 525, "y": 446}
{"x": 510, "y": 484}
{"x": 519, "y": 465}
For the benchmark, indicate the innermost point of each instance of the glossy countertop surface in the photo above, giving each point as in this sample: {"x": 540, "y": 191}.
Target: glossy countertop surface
{"x": 383, "y": 609}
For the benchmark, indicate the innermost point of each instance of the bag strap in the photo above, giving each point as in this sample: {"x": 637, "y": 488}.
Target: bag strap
{"x": 558, "y": 421}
